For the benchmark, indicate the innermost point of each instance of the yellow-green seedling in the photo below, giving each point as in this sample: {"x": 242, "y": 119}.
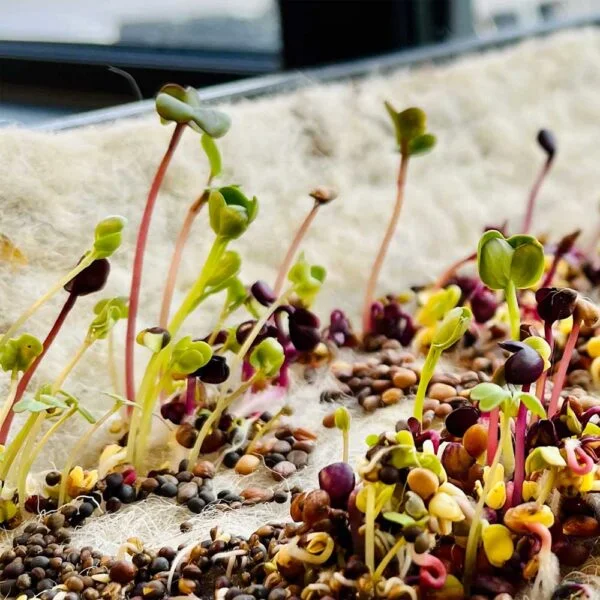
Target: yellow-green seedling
{"x": 412, "y": 139}
{"x": 509, "y": 264}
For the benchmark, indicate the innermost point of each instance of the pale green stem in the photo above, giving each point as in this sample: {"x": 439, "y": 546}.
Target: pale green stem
{"x": 112, "y": 367}
{"x": 267, "y": 427}
{"x": 213, "y": 418}
{"x": 508, "y": 452}
{"x": 76, "y": 451}
{"x": 190, "y": 301}
{"x": 387, "y": 559}
{"x": 25, "y": 465}
{"x": 346, "y": 445}
{"x": 514, "y": 314}
{"x": 475, "y": 531}
{"x": 58, "y": 383}
{"x": 547, "y": 487}
{"x": 85, "y": 262}
{"x": 370, "y": 529}
{"x": 13, "y": 448}
{"x": 145, "y": 422}
{"x": 426, "y": 374}
{"x": 14, "y": 382}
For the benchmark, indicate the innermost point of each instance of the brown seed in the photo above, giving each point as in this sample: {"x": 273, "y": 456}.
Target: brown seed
{"x": 475, "y": 440}
{"x": 371, "y": 403}
{"x": 404, "y": 378}
{"x": 74, "y": 583}
{"x": 186, "y": 435}
{"x": 299, "y": 458}
{"x": 283, "y": 470}
{"x": 281, "y": 447}
{"x": 430, "y": 404}
{"x": 257, "y": 494}
{"x": 247, "y": 464}
{"x": 204, "y": 469}
{"x": 297, "y": 506}
{"x": 186, "y": 491}
{"x": 443, "y": 410}
{"x": 305, "y": 445}
{"x": 123, "y": 572}
{"x": 441, "y": 391}
{"x": 392, "y": 396}
{"x": 581, "y": 526}
{"x": 423, "y": 482}
{"x": 302, "y": 434}
{"x": 316, "y": 506}
{"x": 329, "y": 420}
{"x": 342, "y": 370}
{"x": 381, "y": 385}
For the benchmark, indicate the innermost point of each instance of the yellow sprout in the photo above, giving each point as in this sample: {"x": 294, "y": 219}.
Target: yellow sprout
{"x": 498, "y": 544}
{"x": 81, "y": 482}
{"x": 593, "y": 346}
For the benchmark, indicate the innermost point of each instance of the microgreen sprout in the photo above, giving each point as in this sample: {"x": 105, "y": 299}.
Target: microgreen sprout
{"x": 565, "y": 246}
{"x": 266, "y": 358}
{"x": 410, "y": 127}
{"x": 342, "y": 422}
{"x": 547, "y": 143}
{"x": 107, "y": 238}
{"x": 584, "y": 313}
{"x": 181, "y": 106}
{"x": 509, "y": 264}
{"x": 214, "y": 158}
{"x": 321, "y": 196}
{"x": 448, "y": 332}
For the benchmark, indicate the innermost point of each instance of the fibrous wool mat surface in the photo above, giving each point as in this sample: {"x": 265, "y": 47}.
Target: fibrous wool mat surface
{"x": 485, "y": 110}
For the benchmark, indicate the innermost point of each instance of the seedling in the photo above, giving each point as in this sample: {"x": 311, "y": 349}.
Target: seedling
{"x": 412, "y": 139}
{"x": 107, "y": 238}
{"x": 181, "y": 106}
{"x": 321, "y": 196}
{"x": 214, "y": 159}
{"x": 547, "y": 143}
{"x": 448, "y": 332}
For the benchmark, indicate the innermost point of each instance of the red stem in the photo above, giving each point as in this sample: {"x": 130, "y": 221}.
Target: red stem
{"x": 540, "y": 388}
{"x": 182, "y": 237}
{"x": 520, "y": 433}
{"x": 559, "y": 378}
{"x": 533, "y": 195}
{"x": 391, "y": 228}
{"x": 492, "y": 435}
{"x": 289, "y": 257}
{"x": 544, "y": 534}
{"x": 443, "y": 279}
{"x": 138, "y": 261}
{"x": 24, "y": 382}
{"x": 190, "y": 395}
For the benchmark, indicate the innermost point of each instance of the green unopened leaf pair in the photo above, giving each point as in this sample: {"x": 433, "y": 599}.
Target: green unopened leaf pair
{"x": 410, "y": 126}
{"x": 517, "y": 260}
{"x": 177, "y": 104}
{"x": 231, "y": 212}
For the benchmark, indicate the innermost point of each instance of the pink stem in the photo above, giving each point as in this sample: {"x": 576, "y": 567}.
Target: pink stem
{"x": 540, "y": 388}
{"x": 533, "y": 195}
{"x": 559, "y": 378}
{"x": 520, "y": 433}
{"x": 182, "y": 238}
{"x": 575, "y": 454}
{"x": 432, "y": 572}
{"x": 492, "y": 435}
{"x": 24, "y": 382}
{"x": 391, "y": 228}
{"x": 190, "y": 395}
{"x": 443, "y": 279}
{"x": 138, "y": 262}
{"x": 293, "y": 249}
{"x": 544, "y": 534}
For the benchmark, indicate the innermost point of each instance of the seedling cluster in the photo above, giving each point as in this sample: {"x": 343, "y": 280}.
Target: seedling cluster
{"x": 484, "y": 492}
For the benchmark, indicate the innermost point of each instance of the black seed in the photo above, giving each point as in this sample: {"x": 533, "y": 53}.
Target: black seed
{"x": 230, "y": 459}
{"x": 280, "y": 497}
{"x": 168, "y": 490}
{"x": 114, "y": 480}
{"x": 39, "y": 561}
{"x": 85, "y": 510}
{"x": 53, "y": 478}
{"x": 113, "y": 505}
{"x": 126, "y": 494}
{"x": 207, "y": 496}
{"x": 196, "y": 505}
{"x": 159, "y": 564}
